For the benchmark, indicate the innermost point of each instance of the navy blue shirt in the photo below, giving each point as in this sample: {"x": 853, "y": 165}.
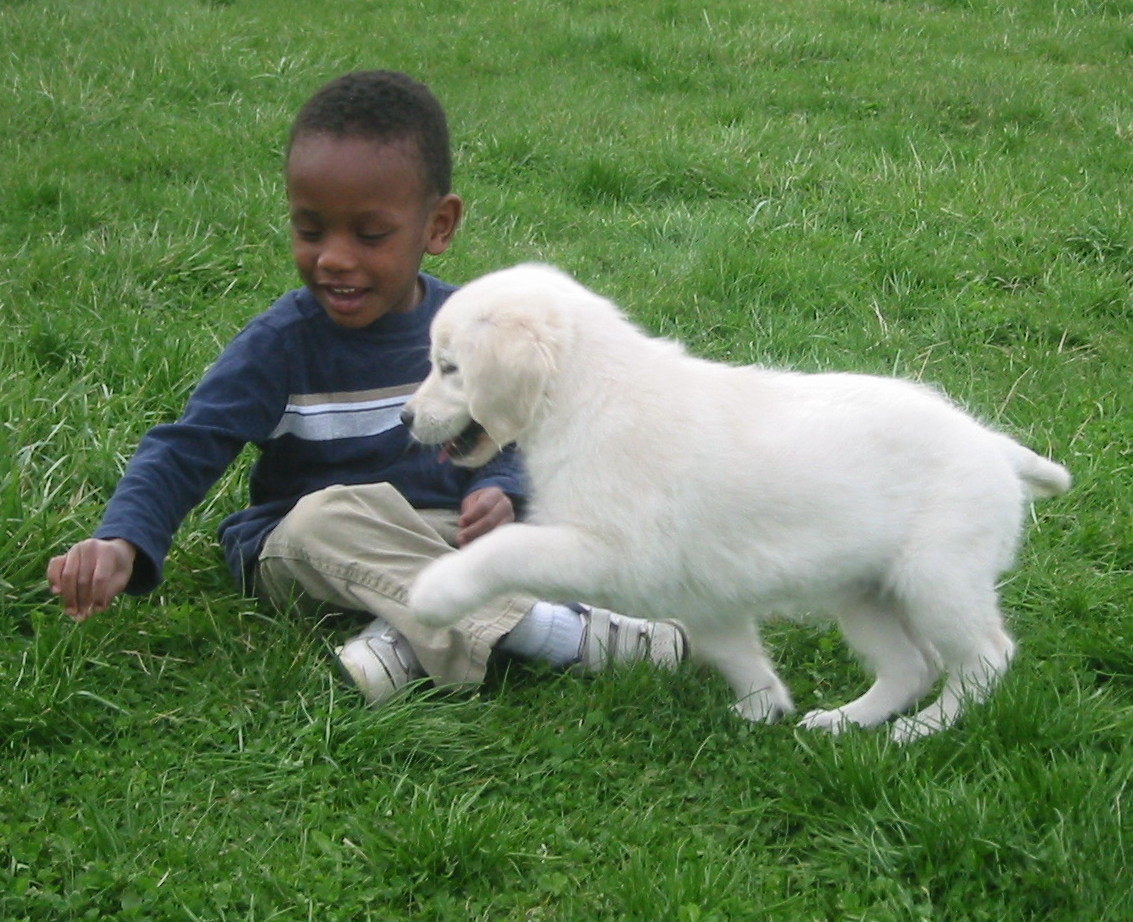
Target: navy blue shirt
{"x": 321, "y": 403}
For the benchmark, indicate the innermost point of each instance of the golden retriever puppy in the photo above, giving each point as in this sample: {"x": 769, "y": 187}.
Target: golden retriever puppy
{"x": 667, "y": 486}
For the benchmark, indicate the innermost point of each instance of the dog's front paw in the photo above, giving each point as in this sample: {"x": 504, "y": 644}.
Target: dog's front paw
{"x": 765, "y": 705}
{"x": 439, "y": 596}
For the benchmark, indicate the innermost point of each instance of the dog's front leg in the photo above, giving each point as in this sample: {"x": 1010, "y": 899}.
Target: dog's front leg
{"x": 741, "y": 660}
{"x": 544, "y": 561}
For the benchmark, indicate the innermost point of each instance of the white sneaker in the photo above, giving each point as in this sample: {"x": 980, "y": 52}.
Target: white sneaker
{"x": 610, "y": 639}
{"x": 378, "y": 662}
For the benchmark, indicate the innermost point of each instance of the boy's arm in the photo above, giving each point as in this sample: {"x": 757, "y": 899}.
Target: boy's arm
{"x": 239, "y": 400}
{"x": 173, "y": 468}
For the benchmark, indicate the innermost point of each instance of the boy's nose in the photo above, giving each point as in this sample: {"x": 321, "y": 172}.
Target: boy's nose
{"x": 336, "y": 256}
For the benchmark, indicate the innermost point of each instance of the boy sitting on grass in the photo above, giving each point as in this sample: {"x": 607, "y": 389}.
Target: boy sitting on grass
{"x": 344, "y": 509}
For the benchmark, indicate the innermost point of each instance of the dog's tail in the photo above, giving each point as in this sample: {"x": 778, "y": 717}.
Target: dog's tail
{"x": 1041, "y": 477}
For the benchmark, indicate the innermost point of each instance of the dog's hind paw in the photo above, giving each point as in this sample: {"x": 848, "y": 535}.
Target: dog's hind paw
{"x": 833, "y": 721}
{"x": 908, "y": 729}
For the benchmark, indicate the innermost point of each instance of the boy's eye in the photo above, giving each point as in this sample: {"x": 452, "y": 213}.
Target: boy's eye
{"x": 372, "y": 238}
{"x": 306, "y": 233}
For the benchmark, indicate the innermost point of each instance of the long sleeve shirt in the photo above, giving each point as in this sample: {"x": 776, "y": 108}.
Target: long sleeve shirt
{"x": 322, "y": 404}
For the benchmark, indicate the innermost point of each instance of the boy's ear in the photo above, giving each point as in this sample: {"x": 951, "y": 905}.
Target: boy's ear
{"x": 443, "y": 223}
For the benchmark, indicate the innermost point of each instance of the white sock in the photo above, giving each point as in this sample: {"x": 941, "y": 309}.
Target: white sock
{"x": 548, "y": 633}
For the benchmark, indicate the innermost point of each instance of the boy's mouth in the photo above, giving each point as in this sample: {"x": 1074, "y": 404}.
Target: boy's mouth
{"x": 343, "y": 298}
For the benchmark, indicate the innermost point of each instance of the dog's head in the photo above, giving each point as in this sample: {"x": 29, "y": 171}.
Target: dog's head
{"x": 495, "y": 347}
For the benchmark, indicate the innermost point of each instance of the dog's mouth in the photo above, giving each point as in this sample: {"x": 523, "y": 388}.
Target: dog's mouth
{"x": 465, "y": 444}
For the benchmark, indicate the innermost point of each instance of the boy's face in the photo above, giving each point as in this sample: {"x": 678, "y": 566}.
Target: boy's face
{"x": 361, "y": 222}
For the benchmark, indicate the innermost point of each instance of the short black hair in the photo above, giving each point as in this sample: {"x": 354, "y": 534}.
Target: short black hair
{"x": 387, "y": 106}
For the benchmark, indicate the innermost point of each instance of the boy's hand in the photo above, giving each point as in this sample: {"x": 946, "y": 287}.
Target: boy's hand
{"x": 90, "y": 575}
{"x": 481, "y": 511}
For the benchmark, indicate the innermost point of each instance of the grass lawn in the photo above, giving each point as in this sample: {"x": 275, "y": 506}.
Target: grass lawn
{"x": 932, "y": 189}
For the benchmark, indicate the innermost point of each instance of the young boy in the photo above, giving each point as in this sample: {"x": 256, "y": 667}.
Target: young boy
{"x": 344, "y": 509}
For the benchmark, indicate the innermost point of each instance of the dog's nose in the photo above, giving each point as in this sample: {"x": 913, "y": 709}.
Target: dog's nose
{"x": 407, "y": 418}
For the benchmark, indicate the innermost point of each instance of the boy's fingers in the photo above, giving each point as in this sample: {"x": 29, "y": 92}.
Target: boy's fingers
{"x": 482, "y": 511}
{"x": 490, "y": 503}
{"x": 61, "y": 575}
{"x": 110, "y": 578}
{"x": 470, "y": 534}
{"x": 62, "y": 587}
{"x": 90, "y": 575}
{"x": 473, "y": 507}
{"x": 75, "y": 576}
{"x": 54, "y": 568}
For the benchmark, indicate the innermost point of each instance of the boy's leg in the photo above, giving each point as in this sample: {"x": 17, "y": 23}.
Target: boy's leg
{"x": 359, "y": 548}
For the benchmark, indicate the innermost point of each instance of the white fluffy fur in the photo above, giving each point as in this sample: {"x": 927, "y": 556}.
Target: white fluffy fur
{"x": 666, "y": 486}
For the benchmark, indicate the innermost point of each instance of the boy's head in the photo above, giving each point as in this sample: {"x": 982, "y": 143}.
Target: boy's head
{"x": 369, "y": 175}
{"x": 384, "y": 106}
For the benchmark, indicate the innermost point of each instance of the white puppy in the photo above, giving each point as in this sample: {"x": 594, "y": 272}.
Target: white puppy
{"x": 666, "y": 486}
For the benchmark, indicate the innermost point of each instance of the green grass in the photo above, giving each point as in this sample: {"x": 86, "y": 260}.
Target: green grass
{"x": 934, "y": 189}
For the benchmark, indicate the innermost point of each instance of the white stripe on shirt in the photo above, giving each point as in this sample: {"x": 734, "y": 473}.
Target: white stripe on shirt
{"x": 326, "y": 417}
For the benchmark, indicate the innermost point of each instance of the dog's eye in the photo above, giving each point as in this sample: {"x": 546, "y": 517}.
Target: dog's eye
{"x": 446, "y": 367}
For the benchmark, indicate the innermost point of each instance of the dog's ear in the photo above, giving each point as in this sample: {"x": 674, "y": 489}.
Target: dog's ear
{"x": 506, "y": 373}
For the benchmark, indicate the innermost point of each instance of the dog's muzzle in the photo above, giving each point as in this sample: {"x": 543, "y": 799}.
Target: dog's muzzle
{"x": 456, "y": 448}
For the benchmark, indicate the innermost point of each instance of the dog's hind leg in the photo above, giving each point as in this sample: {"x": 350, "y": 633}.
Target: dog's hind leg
{"x": 904, "y": 671}
{"x": 966, "y": 631}
{"x": 741, "y": 660}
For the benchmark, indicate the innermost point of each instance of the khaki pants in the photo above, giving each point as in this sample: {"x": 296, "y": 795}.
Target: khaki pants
{"x": 359, "y": 548}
